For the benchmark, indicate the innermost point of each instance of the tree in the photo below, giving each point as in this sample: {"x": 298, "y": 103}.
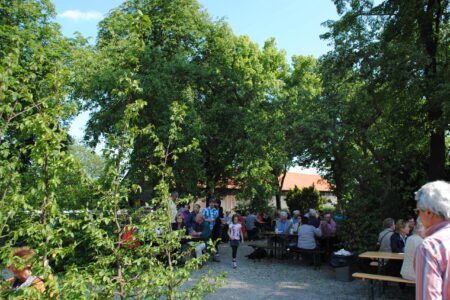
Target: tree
{"x": 303, "y": 199}
{"x": 91, "y": 162}
{"x": 152, "y": 269}
{"x": 370, "y": 127}
{"x": 33, "y": 139}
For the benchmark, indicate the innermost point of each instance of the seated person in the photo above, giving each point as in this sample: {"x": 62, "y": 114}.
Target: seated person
{"x": 412, "y": 242}
{"x": 384, "y": 238}
{"x": 295, "y": 217}
{"x": 398, "y": 240}
{"x": 179, "y": 223}
{"x": 328, "y": 228}
{"x": 307, "y": 234}
{"x": 312, "y": 217}
{"x": 24, "y": 277}
{"x": 191, "y": 220}
{"x": 283, "y": 225}
{"x": 202, "y": 231}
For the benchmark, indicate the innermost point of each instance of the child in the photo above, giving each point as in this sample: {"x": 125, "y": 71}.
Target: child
{"x": 235, "y": 234}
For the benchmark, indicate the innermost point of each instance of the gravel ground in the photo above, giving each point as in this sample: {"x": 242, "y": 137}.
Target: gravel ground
{"x": 288, "y": 279}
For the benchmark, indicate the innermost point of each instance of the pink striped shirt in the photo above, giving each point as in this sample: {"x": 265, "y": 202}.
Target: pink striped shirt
{"x": 432, "y": 264}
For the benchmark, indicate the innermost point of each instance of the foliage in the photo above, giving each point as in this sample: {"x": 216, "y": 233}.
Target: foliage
{"x": 303, "y": 199}
{"x": 237, "y": 106}
{"x": 33, "y": 141}
{"x": 91, "y": 162}
{"x": 377, "y": 128}
{"x": 39, "y": 178}
{"x": 153, "y": 269}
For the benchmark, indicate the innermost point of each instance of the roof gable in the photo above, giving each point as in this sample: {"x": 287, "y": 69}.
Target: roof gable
{"x": 305, "y": 180}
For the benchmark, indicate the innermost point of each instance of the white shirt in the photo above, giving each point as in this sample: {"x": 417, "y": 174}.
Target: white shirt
{"x": 412, "y": 243}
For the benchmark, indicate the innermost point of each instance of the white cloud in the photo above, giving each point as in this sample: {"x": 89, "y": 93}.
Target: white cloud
{"x": 77, "y": 15}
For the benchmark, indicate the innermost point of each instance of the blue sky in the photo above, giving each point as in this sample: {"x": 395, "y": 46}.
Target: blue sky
{"x": 295, "y": 24}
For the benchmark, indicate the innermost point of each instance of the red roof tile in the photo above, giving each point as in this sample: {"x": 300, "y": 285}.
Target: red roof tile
{"x": 305, "y": 180}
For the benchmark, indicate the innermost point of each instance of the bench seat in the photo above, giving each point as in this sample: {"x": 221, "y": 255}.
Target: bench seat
{"x": 383, "y": 278}
{"x": 366, "y": 276}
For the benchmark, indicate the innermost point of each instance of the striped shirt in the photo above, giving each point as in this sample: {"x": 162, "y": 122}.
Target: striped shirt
{"x": 432, "y": 264}
{"x": 210, "y": 214}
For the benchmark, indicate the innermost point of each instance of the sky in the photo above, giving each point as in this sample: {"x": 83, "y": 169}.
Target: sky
{"x": 295, "y": 25}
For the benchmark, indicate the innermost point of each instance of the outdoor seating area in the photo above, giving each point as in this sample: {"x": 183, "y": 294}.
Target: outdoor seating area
{"x": 206, "y": 149}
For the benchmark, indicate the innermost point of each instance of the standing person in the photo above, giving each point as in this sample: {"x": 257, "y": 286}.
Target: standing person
{"x": 211, "y": 214}
{"x": 432, "y": 264}
{"x": 242, "y": 221}
{"x": 173, "y": 206}
{"x": 267, "y": 220}
{"x": 250, "y": 224}
{"x": 235, "y": 234}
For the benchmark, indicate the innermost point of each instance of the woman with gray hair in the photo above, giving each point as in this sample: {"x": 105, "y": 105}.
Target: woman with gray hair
{"x": 412, "y": 243}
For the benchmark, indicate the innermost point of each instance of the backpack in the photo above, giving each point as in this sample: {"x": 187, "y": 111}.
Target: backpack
{"x": 257, "y": 254}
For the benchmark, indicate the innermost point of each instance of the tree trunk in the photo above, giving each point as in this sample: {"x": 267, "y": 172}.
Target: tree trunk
{"x": 429, "y": 20}
{"x": 280, "y": 190}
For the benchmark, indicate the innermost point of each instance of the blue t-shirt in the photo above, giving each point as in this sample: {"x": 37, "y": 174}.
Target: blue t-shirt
{"x": 283, "y": 225}
{"x": 210, "y": 214}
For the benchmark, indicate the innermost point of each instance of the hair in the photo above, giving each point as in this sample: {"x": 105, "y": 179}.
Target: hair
{"x": 234, "y": 216}
{"x": 400, "y": 224}
{"x": 305, "y": 220}
{"x": 436, "y": 197}
{"x": 388, "y": 222}
{"x": 199, "y": 216}
{"x": 25, "y": 253}
{"x": 174, "y": 194}
{"x": 296, "y": 212}
{"x": 283, "y": 214}
{"x": 178, "y": 215}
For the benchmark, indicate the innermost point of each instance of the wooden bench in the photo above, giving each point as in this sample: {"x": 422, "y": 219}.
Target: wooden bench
{"x": 316, "y": 255}
{"x": 375, "y": 277}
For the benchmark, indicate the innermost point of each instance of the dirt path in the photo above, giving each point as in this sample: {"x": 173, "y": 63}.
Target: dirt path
{"x": 283, "y": 279}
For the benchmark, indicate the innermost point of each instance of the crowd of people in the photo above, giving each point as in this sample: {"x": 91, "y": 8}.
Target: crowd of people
{"x": 303, "y": 231}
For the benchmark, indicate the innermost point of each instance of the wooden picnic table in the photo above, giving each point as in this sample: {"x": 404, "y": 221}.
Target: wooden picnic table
{"x": 273, "y": 233}
{"x": 382, "y": 255}
{"x": 280, "y": 242}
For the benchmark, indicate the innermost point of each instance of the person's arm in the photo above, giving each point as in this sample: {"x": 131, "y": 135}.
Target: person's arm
{"x": 428, "y": 275}
{"x": 229, "y": 232}
{"x": 317, "y": 232}
{"x": 242, "y": 235}
{"x": 332, "y": 226}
